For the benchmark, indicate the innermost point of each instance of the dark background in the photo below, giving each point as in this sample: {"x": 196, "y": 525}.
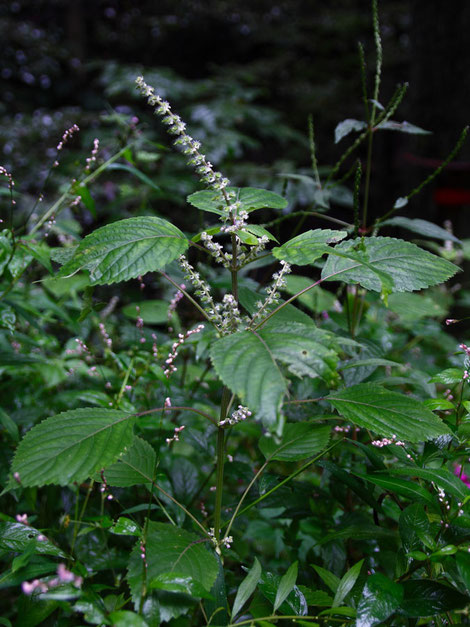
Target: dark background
{"x": 64, "y": 61}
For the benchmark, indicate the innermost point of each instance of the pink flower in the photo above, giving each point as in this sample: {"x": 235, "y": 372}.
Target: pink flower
{"x": 458, "y": 471}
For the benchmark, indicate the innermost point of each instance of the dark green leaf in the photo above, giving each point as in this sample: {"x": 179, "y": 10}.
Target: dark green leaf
{"x": 135, "y": 466}
{"x": 423, "y": 227}
{"x": 16, "y": 537}
{"x": 427, "y": 598}
{"x": 380, "y": 598}
{"x": 346, "y": 583}
{"x": 309, "y": 246}
{"x": 247, "y": 587}
{"x": 286, "y": 585}
{"x": 250, "y": 198}
{"x": 299, "y": 441}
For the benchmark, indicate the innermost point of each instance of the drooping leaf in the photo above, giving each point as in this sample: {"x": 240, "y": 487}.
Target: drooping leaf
{"x": 126, "y": 249}
{"x": 136, "y": 466}
{"x": 380, "y": 598}
{"x": 402, "y": 127}
{"x": 407, "y": 489}
{"x": 347, "y": 126}
{"x": 440, "y": 476}
{"x": 299, "y": 441}
{"x": 71, "y": 446}
{"x": 422, "y": 227}
{"x": 388, "y": 413}
{"x": 170, "y": 549}
{"x": 247, "y": 587}
{"x": 250, "y": 198}
{"x": 16, "y": 537}
{"x": 346, "y": 583}
{"x": 410, "y": 267}
{"x": 247, "y": 362}
{"x": 309, "y": 246}
{"x": 426, "y": 597}
{"x": 286, "y": 585}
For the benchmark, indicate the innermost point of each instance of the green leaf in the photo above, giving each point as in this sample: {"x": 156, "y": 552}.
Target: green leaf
{"x": 402, "y": 127}
{"x": 410, "y": 267}
{"x": 346, "y": 583}
{"x": 125, "y": 527}
{"x": 299, "y": 441}
{"x": 463, "y": 566}
{"x": 247, "y": 587}
{"x": 126, "y": 249}
{"x": 411, "y": 307}
{"x": 286, "y": 585}
{"x": 440, "y": 476}
{"x": 388, "y": 413}
{"x": 449, "y": 376}
{"x": 380, "y": 598}
{"x": 135, "y": 466}
{"x": 71, "y": 446}
{"x": 407, "y": 489}
{"x": 124, "y": 618}
{"x": 423, "y": 227}
{"x": 415, "y": 528}
{"x": 330, "y": 579}
{"x": 426, "y": 598}
{"x": 347, "y": 126}
{"x": 170, "y": 549}
{"x": 151, "y": 311}
{"x": 289, "y": 313}
{"x": 316, "y": 597}
{"x": 359, "y": 487}
{"x": 10, "y": 427}
{"x": 316, "y": 300}
{"x": 308, "y": 247}
{"x": 16, "y": 537}
{"x": 295, "y": 602}
{"x": 250, "y": 198}
{"x": 247, "y": 362}
{"x": 259, "y": 231}
{"x": 173, "y": 582}
{"x": 137, "y": 173}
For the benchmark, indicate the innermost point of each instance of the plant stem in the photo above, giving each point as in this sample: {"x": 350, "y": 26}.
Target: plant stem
{"x": 219, "y": 473}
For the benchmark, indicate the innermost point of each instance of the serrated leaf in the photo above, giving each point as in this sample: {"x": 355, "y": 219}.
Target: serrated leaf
{"x": 299, "y": 441}
{"x": 402, "y": 127}
{"x": 247, "y": 362}
{"x": 126, "y": 249}
{"x": 426, "y": 598}
{"x": 411, "y": 268}
{"x": 259, "y": 231}
{"x": 170, "y": 549}
{"x": 388, "y": 413}
{"x": 347, "y": 126}
{"x": 440, "y": 476}
{"x": 380, "y": 598}
{"x": 286, "y": 585}
{"x": 407, "y": 489}
{"x": 347, "y": 582}
{"x": 308, "y": 246}
{"x": 17, "y": 536}
{"x": 247, "y": 587}
{"x": 71, "y": 446}
{"x": 423, "y": 227}
{"x": 250, "y": 199}
{"x": 136, "y": 466}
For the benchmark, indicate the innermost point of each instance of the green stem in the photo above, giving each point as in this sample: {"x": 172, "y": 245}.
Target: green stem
{"x": 190, "y": 298}
{"x": 79, "y": 521}
{"x": 219, "y": 473}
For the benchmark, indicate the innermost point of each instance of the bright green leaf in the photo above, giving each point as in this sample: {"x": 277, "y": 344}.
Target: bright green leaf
{"x": 380, "y": 598}
{"x": 308, "y": 247}
{"x": 346, "y": 583}
{"x": 16, "y": 537}
{"x": 247, "y": 587}
{"x": 250, "y": 198}
{"x": 286, "y": 585}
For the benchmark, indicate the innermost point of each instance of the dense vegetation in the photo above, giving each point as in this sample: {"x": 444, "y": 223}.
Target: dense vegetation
{"x": 222, "y": 404}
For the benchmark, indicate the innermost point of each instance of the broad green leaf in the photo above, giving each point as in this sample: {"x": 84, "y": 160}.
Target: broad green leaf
{"x": 250, "y": 198}
{"x": 170, "y": 549}
{"x": 316, "y": 300}
{"x": 295, "y": 602}
{"x": 380, "y": 598}
{"x": 347, "y": 126}
{"x": 308, "y": 247}
{"x": 286, "y": 585}
{"x": 410, "y": 267}
{"x": 346, "y": 583}
{"x": 423, "y": 227}
{"x": 319, "y": 598}
{"x": 126, "y": 249}
{"x": 247, "y": 362}
{"x": 440, "y": 476}
{"x": 16, "y": 537}
{"x": 71, "y": 446}
{"x": 135, "y": 466}
{"x": 388, "y": 413}
{"x": 402, "y": 127}
{"x": 330, "y": 579}
{"x": 426, "y": 598}
{"x": 411, "y": 307}
{"x": 299, "y": 441}
{"x": 259, "y": 231}
{"x": 125, "y": 527}
{"x": 415, "y": 528}
{"x": 247, "y": 587}
{"x": 407, "y": 489}
{"x": 125, "y": 618}
{"x": 463, "y": 566}
{"x": 449, "y": 376}
{"x": 289, "y": 313}
{"x": 173, "y": 582}
{"x": 10, "y": 427}
{"x": 151, "y": 311}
